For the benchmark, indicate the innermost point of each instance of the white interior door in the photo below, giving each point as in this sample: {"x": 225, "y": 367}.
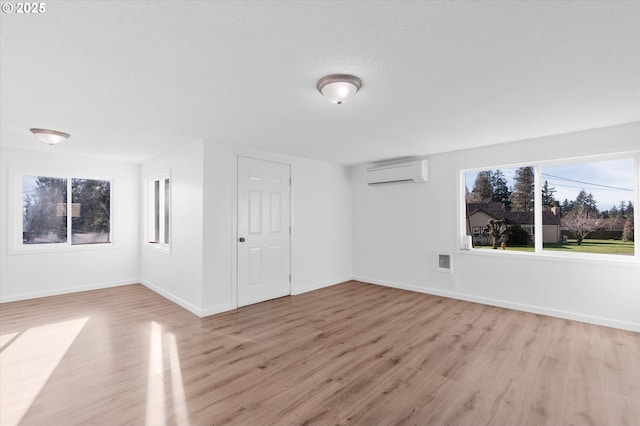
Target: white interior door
{"x": 263, "y": 230}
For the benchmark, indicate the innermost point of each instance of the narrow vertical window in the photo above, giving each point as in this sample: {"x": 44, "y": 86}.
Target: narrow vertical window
{"x": 156, "y": 212}
{"x": 159, "y": 211}
{"x": 167, "y": 203}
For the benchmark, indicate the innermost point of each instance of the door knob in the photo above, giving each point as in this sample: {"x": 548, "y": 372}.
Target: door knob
{"x": 241, "y": 239}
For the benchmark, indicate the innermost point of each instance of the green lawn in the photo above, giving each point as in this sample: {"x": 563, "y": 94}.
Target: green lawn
{"x": 588, "y": 246}
{"x": 594, "y": 246}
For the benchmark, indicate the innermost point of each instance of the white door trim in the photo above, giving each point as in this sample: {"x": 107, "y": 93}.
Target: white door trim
{"x": 263, "y": 156}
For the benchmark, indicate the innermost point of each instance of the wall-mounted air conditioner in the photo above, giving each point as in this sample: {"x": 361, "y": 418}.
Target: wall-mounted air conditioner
{"x": 406, "y": 171}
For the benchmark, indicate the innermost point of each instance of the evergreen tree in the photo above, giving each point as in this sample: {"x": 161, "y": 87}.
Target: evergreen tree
{"x": 482, "y": 189}
{"x": 500, "y": 190}
{"x": 623, "y": 209}
{"x": 586, "y": 201}
{"x": 547, "y": 195}
{"x": 523, "y": 195}
{"x": 614, "y": 213}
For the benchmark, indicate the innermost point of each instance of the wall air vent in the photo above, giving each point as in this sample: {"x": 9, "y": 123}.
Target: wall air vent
{"x": 406, "y": 171}
{"x": 444, "y": 262}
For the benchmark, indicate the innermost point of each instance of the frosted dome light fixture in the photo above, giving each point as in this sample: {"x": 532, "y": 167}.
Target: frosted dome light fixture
{"x": 339, "y": 87}
{"x": 50, "y": 137}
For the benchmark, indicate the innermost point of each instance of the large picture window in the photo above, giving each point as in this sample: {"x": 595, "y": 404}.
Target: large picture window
{"x": 578, "y": 206}
{"x": 47, "y": 218}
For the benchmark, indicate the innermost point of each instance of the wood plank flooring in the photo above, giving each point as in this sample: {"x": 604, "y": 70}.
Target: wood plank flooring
{"x": 353, "y": 353}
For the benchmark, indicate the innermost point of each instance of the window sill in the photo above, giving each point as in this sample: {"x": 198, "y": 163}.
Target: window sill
{"x": 59, "y": 248}
{"x": 550, "y": 256}
{"x": 162, "y": 248}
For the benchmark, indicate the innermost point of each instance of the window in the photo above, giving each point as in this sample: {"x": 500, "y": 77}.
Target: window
{"x": 159, "y": 211}
{"x": 588, "y": 207}
{"x": 44, "y": 219}
{"x": 90, "y": 211}
{"x": 500, "y": 207}
{"x": 45, "y": 212}
{"x": 578, "y": 206}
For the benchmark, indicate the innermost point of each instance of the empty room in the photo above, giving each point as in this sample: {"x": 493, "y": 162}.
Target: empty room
{"x": 320, "y": 212}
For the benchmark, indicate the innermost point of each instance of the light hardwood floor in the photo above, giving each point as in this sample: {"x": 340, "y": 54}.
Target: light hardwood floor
{"x": 353, "y": 353}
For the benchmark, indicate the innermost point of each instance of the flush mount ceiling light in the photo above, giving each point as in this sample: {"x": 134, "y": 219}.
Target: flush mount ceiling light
{"x": 51, "y": 137}
{"x": 339, "y": 87}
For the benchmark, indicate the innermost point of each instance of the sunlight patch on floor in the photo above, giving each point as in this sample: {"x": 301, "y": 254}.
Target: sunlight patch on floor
{"x": 179, "y": 400}
{"x": 160, "y": 384}
{"x": 27, "y": 363}
{"x": 6, "y": 338}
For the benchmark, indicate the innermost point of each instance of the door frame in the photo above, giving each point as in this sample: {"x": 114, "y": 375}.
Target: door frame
{"x": 262, "y": 156}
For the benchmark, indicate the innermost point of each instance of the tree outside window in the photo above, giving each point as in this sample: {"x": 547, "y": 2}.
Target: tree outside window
{"x": 45, "y": 209}
{"x": 585, "y": 206}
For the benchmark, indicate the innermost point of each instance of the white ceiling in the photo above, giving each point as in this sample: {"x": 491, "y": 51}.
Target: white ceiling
{"x": 132, "y": 79}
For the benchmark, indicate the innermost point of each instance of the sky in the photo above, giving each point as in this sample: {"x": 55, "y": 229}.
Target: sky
{"x": 609, "y": 181}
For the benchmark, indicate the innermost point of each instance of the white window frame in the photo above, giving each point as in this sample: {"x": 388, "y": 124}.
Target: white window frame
{"x": 538, "y": 236}
{"x": 16, "y": 246}
{"x": 150, "y": 212}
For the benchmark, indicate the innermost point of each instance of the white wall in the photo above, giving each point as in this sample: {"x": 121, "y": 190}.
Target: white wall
{"x": 177, "y": 275}
{"x": 341, "y": 228}
{"x": 200, "y": 272}
{"x": 321, "y": 216}
{"x": 29, "y": 275}
{"x": 322, "y": 241}
{"x": 400, "y": 229}
{"x": 219, "y": 245}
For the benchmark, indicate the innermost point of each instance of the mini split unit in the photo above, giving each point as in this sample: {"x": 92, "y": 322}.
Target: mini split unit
{"x": 405, "y": 171}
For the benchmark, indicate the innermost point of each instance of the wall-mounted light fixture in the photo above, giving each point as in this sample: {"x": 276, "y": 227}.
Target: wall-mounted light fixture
{"x": 51, "y": 137}
{"x": 339, "y": 87}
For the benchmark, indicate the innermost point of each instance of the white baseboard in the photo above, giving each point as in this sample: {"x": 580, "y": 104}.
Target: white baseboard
{"x": 591, "y": 319}
{"x": 186, "y": 305}
{"x": 216, "y": 310}
{"x": 175, "y": 299}
{"x": 228, "y": 306}
{"x": 319, "y": 285}
{"x": 608, "y": 322}
{"x": 66, "y": 290}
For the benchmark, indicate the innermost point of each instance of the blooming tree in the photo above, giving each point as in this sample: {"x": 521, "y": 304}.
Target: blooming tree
{"x": 579, "y": 223}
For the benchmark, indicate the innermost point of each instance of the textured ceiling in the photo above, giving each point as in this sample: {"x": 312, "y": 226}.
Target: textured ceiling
{"x": 130, "y": 80}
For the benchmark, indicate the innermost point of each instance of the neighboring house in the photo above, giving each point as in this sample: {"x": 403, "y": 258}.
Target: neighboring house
{"x": 479, "y": 215}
